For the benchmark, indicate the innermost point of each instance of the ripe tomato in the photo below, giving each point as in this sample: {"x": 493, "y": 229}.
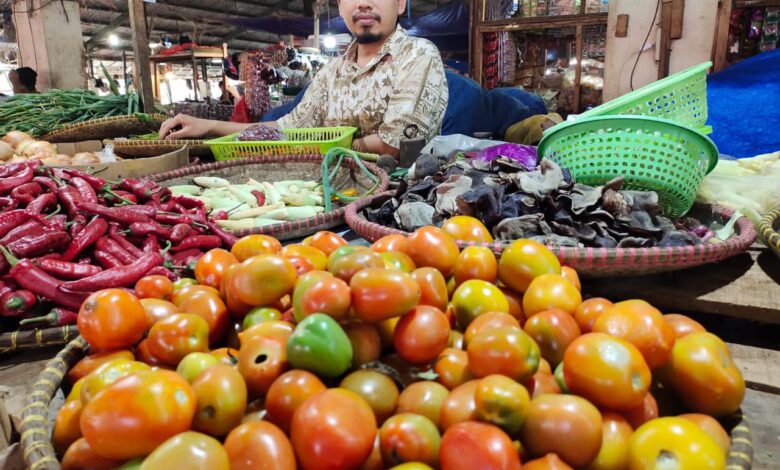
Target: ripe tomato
{"x": 252, "y": 245}
{"x": 674, "y": 440}
{"x": 154, "y": 287}
{"x": 408, "y": 437}
{"x": 589, "y": 310}
{"x": 550, "y": 291}
{"x": 302, "y": 265}
{"x": 227, "y": 291}
{"x": 379, "y": 294}
{"x": 475, "y": 262}
{"x": 683, "y": 325}
{"x": 66, "y": 429}
{"x": 377, "y": 389}
{"x": 712, "y": 427}
{"x": 227, "y": 356}
{"x": 542, "y": 383}
{"x": 553, "y": 330}
{"x": 466, "y": 228}
{"x": 452, "y": 368}
{"x": 515, "y": 304}
{"x": 523, "y": 261}
{"x": 259, "y": 445}
{"x": 472, "y": 445}
{"x": 374, "y": 460}
{"x": 421, "y": 335}
{"x": 112, "y": 319}
{"x": 194, "y": 363}
{"x": 302, "y": 285}
{"x": 178, "y": 335}
{"x": 475, "y": 297}
{"x": 210, "y": 267}
{"x": 393, "y": 242}
{"x": 455, "y": 340}
{"x": 346, "y": 266}
{"x": 327, "y": 242}
{"x": 221, "y": 394}
{"x": 548, "y": 462}
{"x": 157, "y": 309}
{"x": 571, "y": 275}
{"x": 432, "y": 247}
{"x": 289, "y": 391}
{"x": 143, "y": 354}
{"x": 210, "y": 308}
{"x": 188, "y": 291}
{"x": 642, "y": 413}
{"x": 93, "y": 361}
{"x": 566, "y": 425}
{"x": 258, "y": 315}
{"x": 105, "y": 375}
{"x": 366, "y": 343}
{"x": 459, "y": 406}
{"x": 80, "y": 455}
{"x": 608, "y": 371}
{"x": 263, "y": 279}
{"x": 642, "y": 325}
{"x": 433, "y": 287}
{"x": 334, "y": 429}
{"x": 316, "y": 257}
{"x": 704, "y": 375}
{"x": 502, "y": 402}
{"x": 615, "y": 432}
{"x": 280, "y": 330}
{"x": 190, "y": 450}
{"x": 506, "y": 351}
{"x": 423, "y": 398}
{"x": 330, "y": 296}
{"x": 261, "y": 359}
{"x": 153, "y": 406}
{"x": 398, "y": 260}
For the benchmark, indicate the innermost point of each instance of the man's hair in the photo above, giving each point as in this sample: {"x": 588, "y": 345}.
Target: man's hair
{"x": 27, "y": 77}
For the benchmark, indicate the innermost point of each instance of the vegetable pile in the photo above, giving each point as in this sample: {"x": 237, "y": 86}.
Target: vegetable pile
{"x": 406, "y": 355}
{"x": 542, "y": 204}
{"x": 19, "y": 146}
{"x": 66, "y": 233}
{"x": 261, "y": 132}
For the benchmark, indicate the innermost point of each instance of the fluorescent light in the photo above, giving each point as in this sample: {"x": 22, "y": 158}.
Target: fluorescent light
{"x": 329, "y": 41}
{"x": 113, "y": 40}
{"x": 168, "y": 75}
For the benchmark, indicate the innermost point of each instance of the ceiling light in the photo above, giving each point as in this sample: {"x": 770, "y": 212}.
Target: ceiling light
{"x": 113, "y": 40}
{"x": 329, "y": 41}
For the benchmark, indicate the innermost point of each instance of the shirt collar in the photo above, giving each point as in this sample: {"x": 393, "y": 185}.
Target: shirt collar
{"x": 390, "y": 47}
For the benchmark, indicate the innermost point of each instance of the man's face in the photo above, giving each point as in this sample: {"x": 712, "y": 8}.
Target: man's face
{"x": 371, "y": 20}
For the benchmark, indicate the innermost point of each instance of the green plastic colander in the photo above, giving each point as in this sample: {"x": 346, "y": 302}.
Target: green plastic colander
{"x": 653, "y": 154}
{"x": 681, "y": 97}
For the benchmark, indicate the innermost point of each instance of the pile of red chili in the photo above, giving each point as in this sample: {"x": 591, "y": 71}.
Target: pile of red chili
{"x": 65, "y": 233}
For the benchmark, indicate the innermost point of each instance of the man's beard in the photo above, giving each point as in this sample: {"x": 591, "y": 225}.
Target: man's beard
{"x": 368, "y": 38}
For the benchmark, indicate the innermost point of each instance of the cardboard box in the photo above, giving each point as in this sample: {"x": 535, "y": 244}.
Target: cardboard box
{"x": 128, "y": 168}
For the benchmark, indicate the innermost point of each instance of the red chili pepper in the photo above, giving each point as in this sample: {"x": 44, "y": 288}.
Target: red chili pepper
{"x": 124, "y": 197}
{"x": 14, "y": 168}
{"x": 173, "y": 219}
{"x": 70, "y": 199}
{"x": 57, "y": 317}
{"x": 180, "y": 232}
{"x": 115, "y": 235}
{"x": 8, "y": 203}
{"x": 58, "y": 222}
{"x": 228, "y": 239}
{"x": 106, "y": 260}
{"x": 148, "y": 211}
{"x": 203, "y": 242}
{"x": 37, "y": 205}
{"x": 25, "y": 175}
{"x": 85, "y": 189}
{"x": 67, "y": 270}
{"x": 86, "y": 237}
{"x": 25, "y": 193}
{"x": 181, "y": 257}
{"x": 142, "y": 229}
{"x": 114, "y": 249}
{"x": 118, "y": 214}
{"x": 188, "y": 202}
{"x": 260, "y": 196}
{"x": 3, "y": 286}
{"x": 36, "y": 245}
{"x": 151, "y": 244}
{"x": 94, "y": 181}
{"x": 37, "y": 281}
{"x": 162, "y": 271}
{"x": 30, "y": 228}
{"x": 11, "y": 219}
{"x": 77, "y": 224}
{"x": 144, "y": 188}
{"x": 117, "y": 277}
{"x": 219, "y": 215}
{"x": 17, "y": 303}
{"x": 47, "y": 182}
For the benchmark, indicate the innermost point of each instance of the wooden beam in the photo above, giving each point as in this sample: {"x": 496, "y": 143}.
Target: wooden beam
{"x": 542, "y": 22}
{"x": 578, "y": 69}
{"x": 143, "y": 79}
{"x": 106, "y": 30}
{"x": 237, "y": 31}
{"x": 665, "y": 46}
{"x": 720, "y": 50}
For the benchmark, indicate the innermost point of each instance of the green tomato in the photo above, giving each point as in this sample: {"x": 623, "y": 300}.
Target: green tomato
{"x": 259, "y": 315}
{"x": 194, "y": 363}
{"x": 319, "y": 345}
{"x": 134, "y": 464}
{"x": 559, "y": 378}
{"x": 475, "y": 297}
{"x": 185, "y": 281}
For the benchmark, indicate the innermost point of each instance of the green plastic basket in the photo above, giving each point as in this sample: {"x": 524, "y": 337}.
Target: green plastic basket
{"x": 652, "y": 154}
{"x": 299, "y": 142}
{"x": 681, "y": 97}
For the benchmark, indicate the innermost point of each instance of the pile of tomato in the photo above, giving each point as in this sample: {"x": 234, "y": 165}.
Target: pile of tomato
{"x": 410, "y": 354}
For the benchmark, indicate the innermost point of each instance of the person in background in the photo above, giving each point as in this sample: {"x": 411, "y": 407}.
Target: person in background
{"x": 23, "y": 80}
{"x": 387, "y": 84}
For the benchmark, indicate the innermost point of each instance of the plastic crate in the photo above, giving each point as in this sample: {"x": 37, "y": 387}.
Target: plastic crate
{"x": 316, "y": 141}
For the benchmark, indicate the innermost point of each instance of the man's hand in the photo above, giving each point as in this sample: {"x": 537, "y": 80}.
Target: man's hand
{"x": 373, "y": 144}
{"x": 191, "y": 127}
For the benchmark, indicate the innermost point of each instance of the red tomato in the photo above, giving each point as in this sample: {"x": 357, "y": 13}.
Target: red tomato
{"x": 154, "y": 287}
{"x": 366, "y": 342}
{"x": 330, "y": 296}
{"x": 263, "y": 279}
{"x": 642, "y": 325}
{"x": 423, "y": 398}
{"x": 143, "y": 354}
{"x": 105, "y": 375}
{"x": 643, "y": 413}
{"x": 475, "y": 262}
{"x": 487, "y": 321}
{"x": 346, "y": 266}
{"x": 589, "y": 310}
{"x": 542, "y": 383}
{"x": 327, "y": 242}
{"x": 421, "y": 335}
{"x": 379, "y": 294}
{"x": 608, "y": 371}
{"x": 334, "y": 429}
{"x": 432, "y": 247}
{"x": 302, "y": 265}
{"x": 459, "y": 406}
{"x": 221, "y": 394}
{"x": 393, "y": 242}
{"x": 178, "y": 335}
{"x": 466, "y": 228}
{"x": 433, "y": 287}
{"x": 553, "y": 330}
{"x": 398, "y": 260}
{"x": 302, "y": 285}
{"x": 548, "y": 462}
{"x": 187, "y": 291}
{"x": 227, "y": 291}
{"x": 80, "y": 456}
{"x": 615, "y": 432}
{"x": 252, "y": 245}
{"x": 92, "y": 362}
{"x": 210, "y": 267}
{"x": 523, "y": 261}
{"x": 259, "y": 445}
{"x": 190, "y": 450}
{"x": 210, "y": 308}
{"x": 66, "y": 428}
{"x": 452, "y": 368}
{"x": 316, "y": 257}
{"x": 408, "y": 437}
{"x": 374, "y": 460}
{"x": 473, "y": 445}
{"x": 506, "y": 351}
{"x": 550, "y": 291}
{"x": 502, "y": 402}
{"x": 112, "y": 319}
{"x": 158, "y": 309}
{"x": 682, "y": 325}
{"x": 154, "y": 405}
{"x": 712, "y": 427}
{"x": 262, "y": 358}
{"x": 289, "y": 391}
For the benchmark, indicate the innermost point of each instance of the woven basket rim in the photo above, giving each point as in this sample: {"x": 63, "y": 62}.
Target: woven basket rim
{"x": 766, "y": 229}
{"x": 588, "y": 259}
{"x": 156, "y": 142}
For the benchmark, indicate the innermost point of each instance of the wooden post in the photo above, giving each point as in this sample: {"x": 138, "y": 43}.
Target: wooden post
{"x": 195, "y": 77}
{"x": 720, "y": 50}
{"x": 142, "y": 79}
{"x": 665, "y": 47}
{"x": 578, "y": 69}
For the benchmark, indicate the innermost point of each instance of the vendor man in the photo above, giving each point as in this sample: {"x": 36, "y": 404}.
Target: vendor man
{"x": 387, "y": 84}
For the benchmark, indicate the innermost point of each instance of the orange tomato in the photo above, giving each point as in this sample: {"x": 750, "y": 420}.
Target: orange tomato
{"x": 433, "y": 287}
{"x": 105, "y": 375}
{"x": 478, "y": 445}
{"x": 475, "y": 297}
{"x": 221, "y": 397}
{"x": 346, "y": 266}
{"x": 486, "y": 321}
{"x": 263, "y": 279}
{"x": 112, "y": 319}
{"x": 683, "y": 325}
{"x": 80, "y": 456}
{"x": 158, "y": 309}
{"x": 515, "y": 301}
{"x": 506, "y": 351}
{"x": 502, "y": 402}
{"x": 553, "y": 330}
{"x": 423, "y": 398}
{"x": 93, "y": 361}
{"x": 210, "y": 308}
{"x": 211, "y": 267}
{"x": 393, "y": 242}
{"x": 330, "y": 296}
{"x": 379, "y": 294}
{"x": 252, "y": 245}
{"x": 66, "y": 428}
{"x": 187, "y": 291}
{"x": 674, "y": 440}
{"x": 643, "y": 412}
{"x": 398, "y": 260}
{"x": 421, "y": 335}
{"x": 236, "y": 308}
{"x": 261, "y": 359}
{"x": 432, "y": 247}
{"x": 154, "y": 287}
{"x": 589, "y": 310}
{"x": 143, "y": 354}
{"x": 366, "y": 342}
{"x": 289, "y": 391}
{"x": 407, "y": 437}
{"x": 616, "y": 433}
{"x": 548, "y": 462}
{"x": 523, "y": 261}
{"x": 178, "y": 335}
{"x": 712, "y": 427}
{"x": 459, "y": 406}
{"x": 550, "y": 291}
{"x": 466, "y": 228}
{"x": 327, "y": 242}
{"x": 259, "y": 445}
{"x": 452, "y": 368}
{"x": 317, "y": 258}
{"x": 542, "y": 383}
{"x": 376, "y": 388}
{"x": 475, "y": 262}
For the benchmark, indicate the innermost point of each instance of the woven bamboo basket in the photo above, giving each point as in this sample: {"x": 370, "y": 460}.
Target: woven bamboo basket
{"x": 153, "y": 148}
{"x": 766, "y": 228}
{"x": 284, "y": 167}
{"x": 593, "y": 262}
{"x": 39, "y": 338}
{"x": 106, "y": 128}
{"x": 39, "y": 453}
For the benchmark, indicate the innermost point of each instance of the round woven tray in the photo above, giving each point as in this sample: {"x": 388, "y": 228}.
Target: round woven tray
{"x": 153, "y": 148}
{"x": 278, "y": 168}
{"x": 39, "y": 453}
{"x": 766, "y": 228}
{"x": 106, "y": 128}
{"x": 38, "y": 338}
{"x": 593, "y": 262}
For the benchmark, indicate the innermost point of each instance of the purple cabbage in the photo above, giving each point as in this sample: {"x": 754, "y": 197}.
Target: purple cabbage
{"x": 525, "y": 155}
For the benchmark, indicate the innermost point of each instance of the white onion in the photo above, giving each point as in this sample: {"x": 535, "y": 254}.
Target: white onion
{"x": 14, "y": 138}
{"x": 39, "y": 146}
{"x": 85, "y": 158}
{"x": 6, "y": 151}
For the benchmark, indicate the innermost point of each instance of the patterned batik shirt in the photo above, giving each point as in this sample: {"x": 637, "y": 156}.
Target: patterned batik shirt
{"x": 400, "y": 92}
